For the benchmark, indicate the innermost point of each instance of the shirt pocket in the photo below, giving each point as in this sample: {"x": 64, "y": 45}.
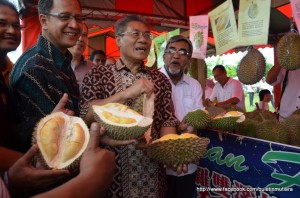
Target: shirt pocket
{"x": 188, "y": 103}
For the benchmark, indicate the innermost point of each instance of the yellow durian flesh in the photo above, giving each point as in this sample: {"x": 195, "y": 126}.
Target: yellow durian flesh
{"x": 121, "y": 122}
{"x": 61, "y": 140}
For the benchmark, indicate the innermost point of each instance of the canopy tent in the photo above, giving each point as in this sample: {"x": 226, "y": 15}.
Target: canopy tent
{"x": 163, "y": 15}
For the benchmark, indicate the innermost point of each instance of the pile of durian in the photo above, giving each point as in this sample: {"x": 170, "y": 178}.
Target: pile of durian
{"x": 264, "y": 125}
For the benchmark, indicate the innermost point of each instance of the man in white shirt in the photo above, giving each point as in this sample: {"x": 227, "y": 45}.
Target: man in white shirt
{"x": 227, "y": 90}
{"x": 186, "y": 96}
{"x": 290, "y": 100}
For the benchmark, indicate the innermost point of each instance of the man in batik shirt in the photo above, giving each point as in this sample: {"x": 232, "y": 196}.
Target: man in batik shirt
{"x": 124, "y": 82}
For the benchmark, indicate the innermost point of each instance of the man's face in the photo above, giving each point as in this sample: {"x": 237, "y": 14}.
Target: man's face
{"x": 220, "y": 76}
{"x": 10, "y": 33}
{"x": 81, "y": 43}
{"x": 62, "y": 31}
{"x": 132, "y": 47}
{"x": 176, "y": 63}
{"x": 99, "y": 59}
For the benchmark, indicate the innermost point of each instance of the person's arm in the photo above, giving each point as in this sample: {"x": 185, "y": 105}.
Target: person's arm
{"x": 94, "y": 95}
{"x": 273, "y": 73}
{"x": 97, "y": 167}
{"x": 233, "y": 100}
{"x": 8, "y": 157}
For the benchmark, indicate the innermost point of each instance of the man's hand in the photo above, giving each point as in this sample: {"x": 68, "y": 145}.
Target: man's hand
{"x": 141, "y": 86}
{"x": 24, "y": 178}
{"x": 106, "y": 140}
{"x": 97, "y": 165}
{"x": 61, "y": 106}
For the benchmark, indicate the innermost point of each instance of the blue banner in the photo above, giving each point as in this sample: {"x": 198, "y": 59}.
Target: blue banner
{"x": 243, "y": 167}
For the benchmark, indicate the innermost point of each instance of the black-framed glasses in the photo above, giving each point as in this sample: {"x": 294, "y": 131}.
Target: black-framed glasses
{"x": 180, "y": 52}
{"x": 137, "y": 34}
{"x": 16, "y": 26}
{"x": 67, "y": 17}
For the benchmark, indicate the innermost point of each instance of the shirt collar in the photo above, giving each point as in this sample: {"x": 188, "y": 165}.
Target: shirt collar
{"x": 120, "y": 65}
{"x": 60, "y": 60}
{"x": 184, "y": 78}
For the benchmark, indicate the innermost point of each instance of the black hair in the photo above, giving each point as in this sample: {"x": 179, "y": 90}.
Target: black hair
{"x": 10, "y": 5}
{"x": 121, "y": 24}
{"x": 262, "y": 94}
{"x": 44, "y": 6}
{"x": 221, "y": 67}
{"x": 95, "y": 52}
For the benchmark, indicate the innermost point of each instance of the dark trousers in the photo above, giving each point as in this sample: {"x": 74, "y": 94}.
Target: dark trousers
{"x": 251, "y": 96}
{"x": 181, "y": 187}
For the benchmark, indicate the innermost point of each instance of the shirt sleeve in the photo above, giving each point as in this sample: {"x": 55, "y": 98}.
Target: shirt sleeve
{"x": 238, "y": 90}
{"x": 198, "y": 96}
{"x": 92, "y": 89}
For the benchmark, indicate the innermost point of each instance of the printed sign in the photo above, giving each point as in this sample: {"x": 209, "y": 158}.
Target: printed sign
{"x": 254, "y": 19}
{"x": 198, "y": 35}
{"x": 237, "y": 166}
{"x": 224, "y": 28}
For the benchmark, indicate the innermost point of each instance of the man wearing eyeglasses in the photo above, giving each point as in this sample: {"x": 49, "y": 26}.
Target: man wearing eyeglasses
{"x": 79, "y": 64}
{"x": 125, "y": 82}
{"x": 43, "y": 74}
{"x": 187, "y": 96}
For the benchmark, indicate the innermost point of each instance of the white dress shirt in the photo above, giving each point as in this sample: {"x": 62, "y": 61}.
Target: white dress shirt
{"x": 290, "y": 101}
{"x": 186, "y": 96}
{"x": 233, "y": 88}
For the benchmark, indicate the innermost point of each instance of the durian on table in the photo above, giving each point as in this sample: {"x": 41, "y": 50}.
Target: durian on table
{"x": 176, "y": 149}
{"x": 61, "y": 139}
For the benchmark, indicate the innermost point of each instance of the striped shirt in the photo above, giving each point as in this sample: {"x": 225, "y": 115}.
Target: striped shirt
{"x": 37, "y": 82}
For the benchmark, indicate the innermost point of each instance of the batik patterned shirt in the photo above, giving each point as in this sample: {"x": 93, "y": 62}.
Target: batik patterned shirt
{"x": 137, "y": 175}
{"x": 38, "y": 81}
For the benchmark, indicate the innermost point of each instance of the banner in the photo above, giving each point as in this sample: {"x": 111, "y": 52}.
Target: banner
{"x": 198, "y": 35}
{"x": 238, "y": 166}
{"x": 151, "y": 57}
{"x": 160, "y": 45}
{"x": 296, "y": 11}
{"x": 253, "y": 23}
{"x": 224, "y": 28}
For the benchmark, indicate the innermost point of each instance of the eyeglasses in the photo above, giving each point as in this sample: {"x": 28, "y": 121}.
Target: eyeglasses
{"x": 16, "y": 26}
{"x": 137, "y": 34}
{"x": 67, "y": 17}
{"x": 180, "y": 52}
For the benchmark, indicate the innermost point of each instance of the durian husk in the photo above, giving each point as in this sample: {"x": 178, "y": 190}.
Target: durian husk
{"x": 176, "y": 149}
{"x": 61, "y": 140}
{"x": 288, "y": 48}
{"x": 199, "y": 119}
{"x": 292, "y": 123}
{"x": 273, "y": 131}
{"x": 227, "y": 122}
{"x": 252, "y": 67}
{"x": 122, "y": 131}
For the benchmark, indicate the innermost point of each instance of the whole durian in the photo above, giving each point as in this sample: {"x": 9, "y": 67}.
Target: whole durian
{"x": 252, "y": 67}
{"x": 292, "y": 123}
{"x": 61, "y": 140}
{"x": 288, "y": 49}
{"x": 198, "y": 119}
{"x": 272, "y": 130}
{"x": 175, "y": 149}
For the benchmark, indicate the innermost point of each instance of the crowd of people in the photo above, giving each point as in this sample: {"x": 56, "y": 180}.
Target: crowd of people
{"x": 55, "y": 76}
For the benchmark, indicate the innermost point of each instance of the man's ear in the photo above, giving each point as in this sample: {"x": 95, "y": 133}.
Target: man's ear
{"x": 118, "y": 40}
{"x": 43, "y": 21}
